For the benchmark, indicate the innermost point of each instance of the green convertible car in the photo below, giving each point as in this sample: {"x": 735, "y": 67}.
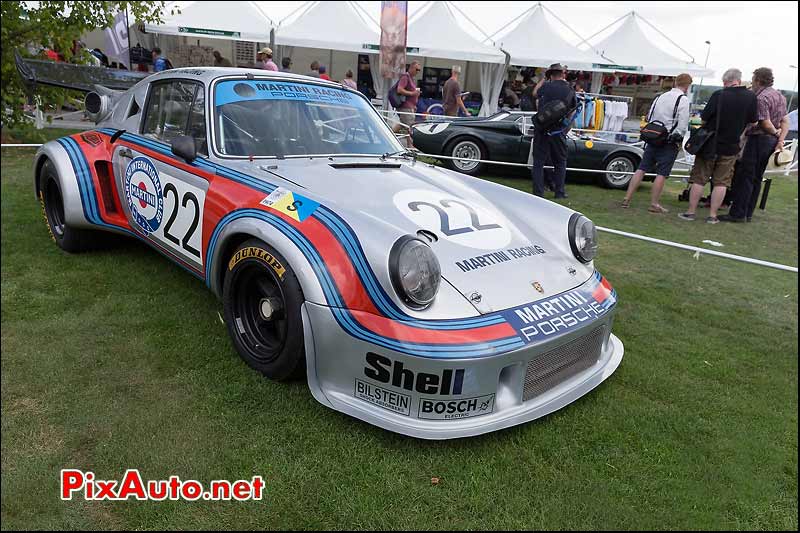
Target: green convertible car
{"x": 506, "y": 137}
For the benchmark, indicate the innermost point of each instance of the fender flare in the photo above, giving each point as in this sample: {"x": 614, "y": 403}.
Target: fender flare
{"x": 250, "y": 227}
{"x": 67, "y": 182}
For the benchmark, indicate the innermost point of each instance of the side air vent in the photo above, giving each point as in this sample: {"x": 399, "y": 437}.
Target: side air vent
{"x": 104, "y": 173}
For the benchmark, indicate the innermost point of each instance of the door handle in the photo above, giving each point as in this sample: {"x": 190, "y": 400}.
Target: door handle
{"x": 125, "y": 152}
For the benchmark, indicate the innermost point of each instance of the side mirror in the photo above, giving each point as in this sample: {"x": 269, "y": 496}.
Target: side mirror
{"x": 185, "y": 148}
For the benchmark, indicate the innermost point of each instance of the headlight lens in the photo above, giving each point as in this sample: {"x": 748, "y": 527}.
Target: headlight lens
{"x": 582, "y": 238}
{"x": 415, "y": 272}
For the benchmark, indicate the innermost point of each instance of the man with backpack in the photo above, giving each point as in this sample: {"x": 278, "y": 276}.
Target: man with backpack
{"x": 160, "y": 62}
{"x": 556, "y": 104}
{"x": 667, "y": 123}
{"x": 403, "y": 96}
{"x": 727, "y": 114}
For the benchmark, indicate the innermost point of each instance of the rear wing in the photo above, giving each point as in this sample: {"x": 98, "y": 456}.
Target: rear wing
{"x": 82, "y": 78}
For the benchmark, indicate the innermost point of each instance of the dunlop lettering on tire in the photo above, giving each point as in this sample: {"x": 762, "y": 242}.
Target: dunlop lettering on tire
{"x": 260, "y": 254}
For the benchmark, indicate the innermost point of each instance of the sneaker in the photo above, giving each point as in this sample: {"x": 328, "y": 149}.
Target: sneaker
{"x": 729, "y": 218}
{"x": 657, "y": 209}
{"x": 560, "y": 196}
{"x": 712, "y": 220}
{"x": 687, "y": 216}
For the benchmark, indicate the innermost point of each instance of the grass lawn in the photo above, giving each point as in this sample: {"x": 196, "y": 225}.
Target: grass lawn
{"x": 117, "y": 359}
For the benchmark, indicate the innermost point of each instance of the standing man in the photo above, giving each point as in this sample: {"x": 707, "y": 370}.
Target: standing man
{"x": 286, "y": 64}
{"x": 763, "y": 140}
{"x": 160, "y": 63}
{"x": 671, "y": 109}
{"x": 407, "y": 87}
{"x": 269, "y": 64}
{"x": 728, "y": 112}
{"x": 451, "y": 94}
{"x": 549, "y": 146}
{"x": 314, "y": 73}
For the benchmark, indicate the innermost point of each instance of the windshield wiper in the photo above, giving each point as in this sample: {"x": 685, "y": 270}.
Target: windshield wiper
{"x": 402, "y": 153}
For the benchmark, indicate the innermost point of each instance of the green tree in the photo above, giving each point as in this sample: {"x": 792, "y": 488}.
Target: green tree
{"x": 27, "y": 28}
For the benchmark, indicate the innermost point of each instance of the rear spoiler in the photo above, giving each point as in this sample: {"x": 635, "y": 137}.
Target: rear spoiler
{"x": 82, "y": 78}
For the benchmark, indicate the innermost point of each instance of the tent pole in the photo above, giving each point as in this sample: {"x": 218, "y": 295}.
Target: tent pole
{"x": 512, "y": 21}
{"x": 272, "y": 39}
{"x": 691, "y": 57}
{"x": 586, "y": 40}
{"x": 448, "y": 4}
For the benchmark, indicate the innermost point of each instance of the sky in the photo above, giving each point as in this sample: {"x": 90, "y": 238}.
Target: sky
{"x": 745, "y": 35}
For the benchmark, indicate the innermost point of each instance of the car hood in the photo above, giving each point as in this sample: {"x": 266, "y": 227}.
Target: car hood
{"x": 497, "y": 246}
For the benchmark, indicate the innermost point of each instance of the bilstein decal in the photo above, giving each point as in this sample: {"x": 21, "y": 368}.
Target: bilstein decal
{"x": 260, "y": 254}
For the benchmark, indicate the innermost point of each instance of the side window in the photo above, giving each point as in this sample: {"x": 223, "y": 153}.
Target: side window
{"x": 169, "y": 110}
{"x": 197, "y": 121}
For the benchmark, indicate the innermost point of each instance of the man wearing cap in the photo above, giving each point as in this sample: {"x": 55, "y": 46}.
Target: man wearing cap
{"x": 269, "y": 64}
{"x": 546, "y": 144}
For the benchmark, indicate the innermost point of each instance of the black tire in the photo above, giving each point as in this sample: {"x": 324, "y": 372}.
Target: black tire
{"x": 69, "y": 239}
{"x": 468, "y": 147}
{"x": 619, "y": 162}
{"x": 261, "y": 300}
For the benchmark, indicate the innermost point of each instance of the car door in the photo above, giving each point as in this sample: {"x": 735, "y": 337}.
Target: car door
{"x": 163, "y": 200}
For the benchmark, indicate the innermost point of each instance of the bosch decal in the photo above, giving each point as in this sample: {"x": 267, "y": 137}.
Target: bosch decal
{"x": 144, "y": 195}
{"x": 433, "y": 409}
{"x": 385, "y": 370}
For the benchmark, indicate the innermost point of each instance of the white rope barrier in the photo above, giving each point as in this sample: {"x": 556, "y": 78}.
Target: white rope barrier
{"x": 740, "y": 258}
{"x": 18, "y": 145}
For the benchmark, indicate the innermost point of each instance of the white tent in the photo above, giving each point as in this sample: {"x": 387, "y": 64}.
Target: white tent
{"x": 238, "y": 21}
{"x": 629, "y": 49}
{"x": 342, "y": 26}
{"x": 533, "y": 42}
{"x": 433, "y": 31}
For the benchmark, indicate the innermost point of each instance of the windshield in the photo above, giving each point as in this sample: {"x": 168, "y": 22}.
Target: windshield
{"x": 276, "y": 118}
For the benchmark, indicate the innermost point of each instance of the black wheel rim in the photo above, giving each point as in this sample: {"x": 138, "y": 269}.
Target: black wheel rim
{"x": 54, "y": 207}
{"x": 264, "y": 338}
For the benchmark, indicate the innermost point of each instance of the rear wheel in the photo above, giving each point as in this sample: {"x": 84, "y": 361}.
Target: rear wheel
{"x": 262, "y": 299}
{"x": 467, "y": 148}
{"x": 620, "y": 170}
{"x": 67, "y": 238}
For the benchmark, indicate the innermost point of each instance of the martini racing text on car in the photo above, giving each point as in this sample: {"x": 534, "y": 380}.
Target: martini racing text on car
{"x": 418, "y": 299}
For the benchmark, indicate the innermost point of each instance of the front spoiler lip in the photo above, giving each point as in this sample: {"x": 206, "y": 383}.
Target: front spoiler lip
{"x": 550, "y": 401}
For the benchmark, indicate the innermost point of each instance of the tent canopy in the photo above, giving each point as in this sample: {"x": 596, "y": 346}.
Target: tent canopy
{"x": 533, "y": 42}
{"x": 435, "y": 32}
{"x": 238, "y": 21}
{"x": 330, "y": 25}
{"x": 629, "y": 49}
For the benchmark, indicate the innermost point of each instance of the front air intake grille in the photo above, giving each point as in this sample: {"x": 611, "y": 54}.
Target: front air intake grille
{"x": 554, "y": 367}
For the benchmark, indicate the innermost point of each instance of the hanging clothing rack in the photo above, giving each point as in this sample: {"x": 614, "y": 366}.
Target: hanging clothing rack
{"x": 609, "y": 96}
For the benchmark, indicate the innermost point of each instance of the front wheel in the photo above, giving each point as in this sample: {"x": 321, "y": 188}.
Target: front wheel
{"x": 468, "y": 149}
{"x": 261, "y": 300}
{"x": 620, "y": 170}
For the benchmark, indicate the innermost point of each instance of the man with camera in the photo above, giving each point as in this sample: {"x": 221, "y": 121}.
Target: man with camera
{"x": 667, "y": 123}
{"x": 556, "y": 104}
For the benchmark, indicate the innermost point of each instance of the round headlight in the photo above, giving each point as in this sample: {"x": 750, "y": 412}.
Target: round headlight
{"x": 415, "y": 272}
{"x": 582, "y": 238}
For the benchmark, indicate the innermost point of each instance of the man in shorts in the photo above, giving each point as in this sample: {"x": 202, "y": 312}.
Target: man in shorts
{"x": 408, "y": 87}
{"x": 671, "y": 109}
{"x": 728, "y": 112}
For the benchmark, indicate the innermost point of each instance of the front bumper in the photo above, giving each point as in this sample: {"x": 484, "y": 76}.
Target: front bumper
{"x": 445, "y": 398}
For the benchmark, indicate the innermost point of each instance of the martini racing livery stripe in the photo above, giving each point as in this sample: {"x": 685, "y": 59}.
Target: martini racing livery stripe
{"x": 86, "y": 178}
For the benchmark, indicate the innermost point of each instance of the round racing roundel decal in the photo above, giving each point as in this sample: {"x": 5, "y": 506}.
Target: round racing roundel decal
{"x": 454, "y": 219}
{"x": 144, "y": 195}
